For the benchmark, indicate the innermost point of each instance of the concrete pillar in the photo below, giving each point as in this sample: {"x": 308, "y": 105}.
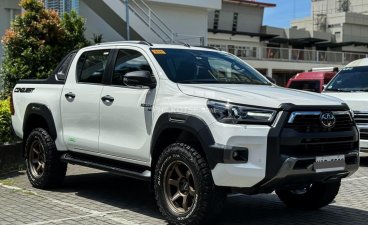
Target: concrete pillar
{"x": 269, "y": 72}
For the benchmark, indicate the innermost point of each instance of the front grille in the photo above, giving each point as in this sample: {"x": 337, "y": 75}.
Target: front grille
{"x": 310, "y": 122}
{"x": 364, "y": 134}
{"x": 361, "y": 118}
{"x": 305, "y": 136}
{"x": 318, "y": 149}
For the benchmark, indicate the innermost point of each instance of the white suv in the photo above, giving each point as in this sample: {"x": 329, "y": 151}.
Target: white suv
{"x": 197, "y": 122}
{"x": 351, "y": 86}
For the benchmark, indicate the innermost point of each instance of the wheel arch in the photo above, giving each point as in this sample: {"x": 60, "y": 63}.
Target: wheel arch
{"x": 175, "y": 127}
{"x": 38, "y": 116}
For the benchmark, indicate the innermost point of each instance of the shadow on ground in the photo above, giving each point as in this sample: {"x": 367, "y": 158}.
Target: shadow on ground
{"x": 136, "y": 196}
{"x": 364, "y": 161}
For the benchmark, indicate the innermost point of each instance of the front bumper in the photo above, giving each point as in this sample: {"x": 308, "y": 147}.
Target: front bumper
{"x": 288, "y": 161}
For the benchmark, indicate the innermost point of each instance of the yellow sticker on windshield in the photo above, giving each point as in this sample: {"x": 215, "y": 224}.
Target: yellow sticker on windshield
{"x": 158, "y": 52}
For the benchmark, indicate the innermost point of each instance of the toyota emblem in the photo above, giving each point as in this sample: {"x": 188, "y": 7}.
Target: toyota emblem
{"x": 328, "y": 120}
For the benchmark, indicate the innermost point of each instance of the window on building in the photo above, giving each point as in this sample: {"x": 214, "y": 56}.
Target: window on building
{"x": 91, "y": 66}
{"x": 216, "y": 20}
{"x": 338, "y": 35}
{"x": 128, "y": 61}
{"x": 235, "y": 22}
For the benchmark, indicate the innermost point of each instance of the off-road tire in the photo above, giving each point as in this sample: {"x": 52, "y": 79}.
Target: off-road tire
{"x": 209, "y": 199}
{"x": 54, "y": 170}
{"x": 316, "y": 197}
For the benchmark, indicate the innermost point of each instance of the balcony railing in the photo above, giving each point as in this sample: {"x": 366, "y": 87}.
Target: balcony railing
{"x": 292, "y": 55}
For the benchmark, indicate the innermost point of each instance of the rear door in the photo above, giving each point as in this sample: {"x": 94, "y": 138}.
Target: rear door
{"x": 80, "y": 100}
{"x": 126, "y": 119}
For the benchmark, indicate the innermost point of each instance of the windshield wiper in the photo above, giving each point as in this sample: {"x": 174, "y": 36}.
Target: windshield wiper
{"x": 339, "y": 90}
{"x": 197, "y": 81}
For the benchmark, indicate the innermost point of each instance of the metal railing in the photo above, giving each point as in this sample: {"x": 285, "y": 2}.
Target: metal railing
{"x": 292, "y": 55}
{"x": 158, "y": 26}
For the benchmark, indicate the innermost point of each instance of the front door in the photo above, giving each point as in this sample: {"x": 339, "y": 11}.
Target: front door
{"x": 80, "y": 101}
{"x": 126, "y": 112}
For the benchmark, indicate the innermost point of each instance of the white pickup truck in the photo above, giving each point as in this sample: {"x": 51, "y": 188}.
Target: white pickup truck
{"x": 196, "y": 122}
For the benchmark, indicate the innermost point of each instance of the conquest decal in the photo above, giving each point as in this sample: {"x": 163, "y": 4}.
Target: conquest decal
{"x": 24, "y": 90}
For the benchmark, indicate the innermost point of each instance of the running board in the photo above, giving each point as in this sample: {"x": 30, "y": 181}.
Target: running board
{"x": 114, "y": 166}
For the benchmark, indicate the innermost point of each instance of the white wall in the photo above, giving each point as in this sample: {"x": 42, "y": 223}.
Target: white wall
{"x": 237, "y": 40}
{"x": 96, "y": 25}
{"x": 183, "y": 20}
{"x": 207, "y": 4}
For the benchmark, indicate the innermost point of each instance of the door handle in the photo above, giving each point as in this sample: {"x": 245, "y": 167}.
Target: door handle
{"x": 107, "y": 98}
{"x": 70, "y": 95}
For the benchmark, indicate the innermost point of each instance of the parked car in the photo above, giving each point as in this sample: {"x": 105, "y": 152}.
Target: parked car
{"x": 314, "y": 80}
{"x": 196, "y": 122}
{"x": 351, "y": 85}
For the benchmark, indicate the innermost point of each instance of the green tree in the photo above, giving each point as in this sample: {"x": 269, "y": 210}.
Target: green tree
{"x": 37, "y": 41}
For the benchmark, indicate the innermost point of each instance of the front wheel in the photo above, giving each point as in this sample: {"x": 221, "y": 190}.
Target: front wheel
{"x": 184, "y": 187}
{"x": 44, "y": 168}
{"x": 312, "y": 197}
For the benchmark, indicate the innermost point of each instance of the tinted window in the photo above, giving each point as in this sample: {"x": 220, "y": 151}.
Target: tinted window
{"x": 128, "y": 61}
{"x": 313, "y": 85}
{"x": 197, "y": 66}
{"x": 350, "y": 79}
{"x": 91, "y": 66}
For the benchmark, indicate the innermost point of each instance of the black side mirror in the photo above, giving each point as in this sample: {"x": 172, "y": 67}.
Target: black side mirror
{"x": 139, "y": 78}
{"x": 61, "y": 76}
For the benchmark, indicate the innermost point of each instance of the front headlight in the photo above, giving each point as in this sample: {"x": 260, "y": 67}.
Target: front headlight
{"x": 238, "y": 114}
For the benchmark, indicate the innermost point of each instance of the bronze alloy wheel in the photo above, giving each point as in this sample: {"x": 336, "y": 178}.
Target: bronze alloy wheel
{"x": 179, "y": 188}
{"x": 37, "y": 158}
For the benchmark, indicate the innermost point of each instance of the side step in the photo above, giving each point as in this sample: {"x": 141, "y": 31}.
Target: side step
{"x": 114, "y": 166}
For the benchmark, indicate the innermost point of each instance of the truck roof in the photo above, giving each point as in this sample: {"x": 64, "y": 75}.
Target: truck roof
{"x": 146, "y": 44}
{"x": 313, "y": 75}
{"x": 359, "y": 62}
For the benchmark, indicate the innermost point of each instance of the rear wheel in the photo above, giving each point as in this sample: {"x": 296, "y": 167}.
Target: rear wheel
{"x": 312, "y": 197}
{"x": 184, "y": 187}
{"x": 44, "y": 168}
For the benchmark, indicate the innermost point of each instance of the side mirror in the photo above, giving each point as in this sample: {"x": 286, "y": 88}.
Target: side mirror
{"x": 324, "y": 87}
{"x": 139, "y": 78}
{"x": 61, "y": 76}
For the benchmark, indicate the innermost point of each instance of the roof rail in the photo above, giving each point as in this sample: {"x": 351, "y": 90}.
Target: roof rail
{"x": 126, "y": 42}
{"x": 209, "y": 47}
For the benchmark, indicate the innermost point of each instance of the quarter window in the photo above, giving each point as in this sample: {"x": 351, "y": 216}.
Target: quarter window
{"x": 91, "y": 66}
{"x": 128, "y": 61}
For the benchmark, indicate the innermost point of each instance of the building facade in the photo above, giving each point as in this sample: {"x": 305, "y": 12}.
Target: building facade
{"x": 157, "y": 21}
{"x": 281, "y": 53}
{"x": 62, "y": 6}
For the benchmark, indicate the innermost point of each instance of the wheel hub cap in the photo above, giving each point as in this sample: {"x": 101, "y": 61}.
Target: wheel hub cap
{"x": 179, "y": 188}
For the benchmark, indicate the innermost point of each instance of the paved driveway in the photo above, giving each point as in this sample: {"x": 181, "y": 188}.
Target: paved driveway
{"x": 95, "y": 197}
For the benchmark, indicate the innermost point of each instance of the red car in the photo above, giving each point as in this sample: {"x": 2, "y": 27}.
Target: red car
{"x": 314, "y": 80}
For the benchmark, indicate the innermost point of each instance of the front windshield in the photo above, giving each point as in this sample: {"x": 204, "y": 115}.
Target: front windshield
{"x": 350, "y": 79}
{"x": 197, "y": 66}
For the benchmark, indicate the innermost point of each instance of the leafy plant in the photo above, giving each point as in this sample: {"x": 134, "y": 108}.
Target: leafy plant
{"x": 36, "y": 42}
{"x": 5, "y": 122}
{"x": 97, "y": 38}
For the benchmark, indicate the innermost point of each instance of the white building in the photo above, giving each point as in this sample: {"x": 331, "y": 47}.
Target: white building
{"x": 158, "y": 21}
{"x": 281, "y": 53}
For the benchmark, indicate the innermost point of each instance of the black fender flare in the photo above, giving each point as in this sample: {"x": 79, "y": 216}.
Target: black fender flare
{"x": 42, "y": 111}
{"x": 195, "y": 126}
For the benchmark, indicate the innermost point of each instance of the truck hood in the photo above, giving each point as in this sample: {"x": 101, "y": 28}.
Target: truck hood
{"x": 357, "y": 101}
{"x": 257, "y": 95}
